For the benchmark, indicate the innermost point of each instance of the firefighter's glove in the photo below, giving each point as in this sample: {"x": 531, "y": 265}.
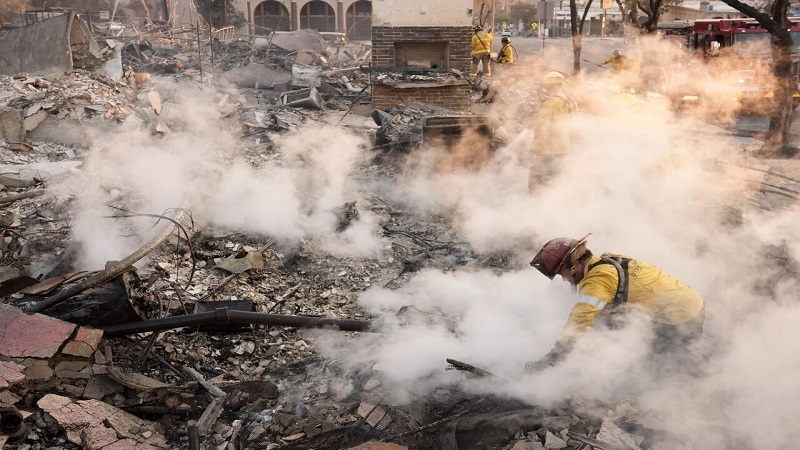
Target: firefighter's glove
{"x": 552, "y": 358}
{"x": 537, "y": 366}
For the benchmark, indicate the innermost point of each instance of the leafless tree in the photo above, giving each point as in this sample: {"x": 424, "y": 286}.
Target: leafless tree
{"x": 776, "y": 22}
{"x": 576, "y": 25}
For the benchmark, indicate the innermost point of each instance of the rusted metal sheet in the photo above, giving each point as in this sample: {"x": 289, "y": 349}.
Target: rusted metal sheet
{"x": 50, "y": 48}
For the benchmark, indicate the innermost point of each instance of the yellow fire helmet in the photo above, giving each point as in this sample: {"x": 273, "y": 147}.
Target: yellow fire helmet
{"x": 553, "y": 77}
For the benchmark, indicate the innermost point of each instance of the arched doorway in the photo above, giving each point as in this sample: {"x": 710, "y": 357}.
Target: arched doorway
{"x": 318, "y": 15}
{"x": 359, "y": 20}
{"x": 271, "y": 15}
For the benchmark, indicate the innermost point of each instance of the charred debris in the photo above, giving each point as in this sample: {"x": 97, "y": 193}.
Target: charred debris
{"x": 204, "y": 345}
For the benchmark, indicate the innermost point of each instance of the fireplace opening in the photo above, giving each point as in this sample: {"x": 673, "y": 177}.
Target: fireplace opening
{"x": 422, "y": 56}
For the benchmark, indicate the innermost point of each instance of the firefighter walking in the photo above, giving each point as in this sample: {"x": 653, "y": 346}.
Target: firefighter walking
{"x": 611, "y": 286}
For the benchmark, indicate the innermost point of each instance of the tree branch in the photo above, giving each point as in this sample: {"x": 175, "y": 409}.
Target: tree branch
{"x": 585, "y": 13}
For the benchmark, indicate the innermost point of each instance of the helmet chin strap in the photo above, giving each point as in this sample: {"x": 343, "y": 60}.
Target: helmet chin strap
{"x": 575, "y": 273}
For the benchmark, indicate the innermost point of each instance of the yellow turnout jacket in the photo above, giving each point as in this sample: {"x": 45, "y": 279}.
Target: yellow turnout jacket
{"x": 617, "y": 63}
{"x": 663, "y": 297}
{"x": 551, "y": 134}
{"x": 506, "y": 55}
{"x": 481, "y": 42}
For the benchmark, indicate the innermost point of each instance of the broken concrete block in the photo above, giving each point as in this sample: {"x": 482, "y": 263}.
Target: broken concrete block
{"x": 85, "y": 342}
{"x": 553, "y": 441}
{"x": 557, "y": 423}
{"x": 10, "y": 373}
{"x": 36, "y": 335}
{"x": 9, "y": 398}
{"x": 155, "y": 102}
{"x": 99, "y": 386}
{"x": 72, "y": 369}
{"x": 33, "y": 121}
{"x": 12, "y": 129}
{"x": 528, "y": 445}
{"x": 37, "y": 369}
{"x": 373, "y": 414}
{"x": 16, "y": 181}
{"x": 97, "y": 425}
{"x": 612, "y": 434}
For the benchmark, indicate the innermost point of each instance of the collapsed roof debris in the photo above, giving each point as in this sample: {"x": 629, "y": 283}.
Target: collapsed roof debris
{"x": 51, "y": 48}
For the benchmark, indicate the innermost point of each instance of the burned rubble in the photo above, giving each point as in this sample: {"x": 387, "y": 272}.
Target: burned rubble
{"x": 206, "y": 336}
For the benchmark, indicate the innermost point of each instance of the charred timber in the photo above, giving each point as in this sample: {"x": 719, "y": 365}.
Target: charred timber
{"x": 226, "y": 316}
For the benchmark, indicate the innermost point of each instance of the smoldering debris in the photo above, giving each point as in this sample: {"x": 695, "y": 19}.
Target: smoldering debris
{"x": 292, "y": 223}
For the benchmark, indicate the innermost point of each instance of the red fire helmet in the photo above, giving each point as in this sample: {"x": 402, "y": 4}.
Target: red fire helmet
{"x": 554, "y": 254}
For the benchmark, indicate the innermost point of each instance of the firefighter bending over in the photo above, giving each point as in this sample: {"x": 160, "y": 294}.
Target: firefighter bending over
{"x": 611, "y": 285}
{"x": 618, "y": 61}
{"x": 551, "y": 139}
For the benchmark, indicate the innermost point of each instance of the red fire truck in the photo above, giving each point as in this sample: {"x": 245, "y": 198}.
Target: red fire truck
{"x": 734, "y": 56}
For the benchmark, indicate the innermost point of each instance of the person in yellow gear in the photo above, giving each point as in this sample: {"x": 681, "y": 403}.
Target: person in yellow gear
{"x": 618, "y": 61}
{"x": 506, "y": 53}
{"x": 481, "y": 50}
{"x": 551, "y": 138}
{"x": 609, "y": 287}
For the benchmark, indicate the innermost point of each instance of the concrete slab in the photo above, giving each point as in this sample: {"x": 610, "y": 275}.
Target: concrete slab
{"x": 97, "y": 425}
{"x": 26, "y": 336}
{"x": 85, "y": 342}
{"x": 10, "y": 373}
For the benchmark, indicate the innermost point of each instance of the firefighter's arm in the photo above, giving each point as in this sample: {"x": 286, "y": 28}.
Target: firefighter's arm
{"x": 581, "y": 318}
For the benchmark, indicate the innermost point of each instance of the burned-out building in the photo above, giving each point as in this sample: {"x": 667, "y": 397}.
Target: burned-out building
{"x": 415, "y": 48}
{"x": 352, "y": 17}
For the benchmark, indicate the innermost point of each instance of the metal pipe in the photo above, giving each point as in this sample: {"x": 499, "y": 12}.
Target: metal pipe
{"x": 194, "y": 437}
{"x": 226, "y": 316}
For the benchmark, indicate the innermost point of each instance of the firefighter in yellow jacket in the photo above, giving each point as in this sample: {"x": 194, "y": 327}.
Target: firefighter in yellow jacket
{"x": 481, "y": 51}
{"x": 552, "y": 138}
{"x": 506, "y": 53}
{"x": 617, "y": 60}
{"x": 609, "y": 286}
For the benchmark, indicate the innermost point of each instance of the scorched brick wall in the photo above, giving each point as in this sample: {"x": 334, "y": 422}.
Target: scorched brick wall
{"x": 454, "y": 96}
{"x": 458, "y": 56}
{"x": 383, "y": 39}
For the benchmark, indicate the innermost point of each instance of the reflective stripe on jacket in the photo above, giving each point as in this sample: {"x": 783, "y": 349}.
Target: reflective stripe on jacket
{"x": 663, "y": 297}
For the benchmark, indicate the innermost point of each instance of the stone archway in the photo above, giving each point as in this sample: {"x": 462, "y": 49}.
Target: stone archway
{"x": 271, "y": 15}
{"x": 359, "y": 20}
{"x": 318, "y": 15}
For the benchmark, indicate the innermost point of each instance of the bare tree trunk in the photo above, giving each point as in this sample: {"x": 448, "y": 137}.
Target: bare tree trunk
{"x": 777, "y": 24}
{"x": 777, "y": 140}
{"x": 577, "y": 42}
{"x": 577, "y": 32}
